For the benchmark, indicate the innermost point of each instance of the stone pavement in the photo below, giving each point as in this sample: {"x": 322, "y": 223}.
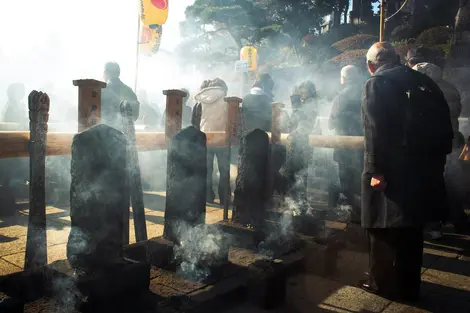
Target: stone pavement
{"x": 445, "y": 287}
{"x": 13, "y": 231}
{"x": 446, "y": 268}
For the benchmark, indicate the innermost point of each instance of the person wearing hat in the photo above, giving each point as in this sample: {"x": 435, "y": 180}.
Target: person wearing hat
{"x": 111, "y": 97}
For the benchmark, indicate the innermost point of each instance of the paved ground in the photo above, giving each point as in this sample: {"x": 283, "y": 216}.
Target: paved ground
{"x": 445, "y": 287}
{"x": 13, "y": 231}
{"x": 446, "y": 269}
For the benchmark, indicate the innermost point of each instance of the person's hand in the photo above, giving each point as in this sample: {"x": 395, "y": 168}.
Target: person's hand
{"x": 378, "y": 182}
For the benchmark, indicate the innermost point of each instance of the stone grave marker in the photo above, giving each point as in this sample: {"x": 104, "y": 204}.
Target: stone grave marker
{"x": 99, "y": 197}
{"x": 186, "y": 181}
{"x": 252, "y": 189}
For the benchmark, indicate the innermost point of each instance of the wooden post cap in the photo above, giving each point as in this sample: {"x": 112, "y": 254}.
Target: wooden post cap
{"x": 175, "y": 92}
{"x": 89, "y": 82}
{"x": 233, "y": 99}
{"x": 38, "y": 101}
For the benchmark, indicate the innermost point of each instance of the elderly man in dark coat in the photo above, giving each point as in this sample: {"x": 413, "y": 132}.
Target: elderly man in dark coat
{"x": 402, "y": 186}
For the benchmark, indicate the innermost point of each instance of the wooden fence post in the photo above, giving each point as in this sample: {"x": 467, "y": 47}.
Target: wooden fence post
{"x": 174, "y": 111}
{"x": 135, "y": 181}
{"x": 36, "y": 242}
{"x": 231, "y": 131}
{"x": 276, "y": 123}
{"x": 89, "y": 102}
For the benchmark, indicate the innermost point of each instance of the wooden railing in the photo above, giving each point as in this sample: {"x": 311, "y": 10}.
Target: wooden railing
{"x": 15, "y": 143}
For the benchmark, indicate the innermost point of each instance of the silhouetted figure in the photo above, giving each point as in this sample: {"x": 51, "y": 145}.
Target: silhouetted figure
{"x": 345, "y": 119}
{"x": 305, "y": 108}
{"x": 111, "y": 97}
{"x": 16, "y": 110}
{"x": 256, "y": 110}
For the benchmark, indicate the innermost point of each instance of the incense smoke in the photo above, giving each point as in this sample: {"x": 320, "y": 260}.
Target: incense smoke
{"x": 201, "y": 248}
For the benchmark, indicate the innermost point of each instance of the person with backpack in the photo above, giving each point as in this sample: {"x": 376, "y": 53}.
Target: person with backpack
{"x": 407, "y": 136}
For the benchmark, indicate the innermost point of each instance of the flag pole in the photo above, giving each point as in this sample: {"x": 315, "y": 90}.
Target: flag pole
{"x": 137, "y": 54}
{"x": 382, "y": 19}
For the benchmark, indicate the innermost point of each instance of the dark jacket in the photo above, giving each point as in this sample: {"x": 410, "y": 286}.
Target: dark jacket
{"x": 256, "y": 112}
{"x": 415, "y": 190}
{"x": 346, "y": 120}
{"x": 111, "y": 97}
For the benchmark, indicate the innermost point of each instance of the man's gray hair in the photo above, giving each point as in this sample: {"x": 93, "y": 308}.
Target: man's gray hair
{"x": 382, "y": 53}
{"x": 350, "y": 73}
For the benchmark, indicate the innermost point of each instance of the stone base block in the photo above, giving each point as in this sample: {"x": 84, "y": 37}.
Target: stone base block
{"x": 10, "y": 305}
{"x": 160, "y": 252}
{"x": 27, "y": 285}
{"x": 320, "y": 258}
{"x": 266, "y": 286}
{"x": 245, "y": 237}
{"x": 137, "y": 251}
{"x": 308, "y": 225}
{"x": 125, "y": 277}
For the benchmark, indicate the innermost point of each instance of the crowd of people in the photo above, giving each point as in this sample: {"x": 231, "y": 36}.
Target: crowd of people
{"x": 406, "y": 181}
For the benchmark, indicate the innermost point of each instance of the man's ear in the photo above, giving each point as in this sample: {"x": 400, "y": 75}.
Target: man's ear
{"x": 371, "y": 68}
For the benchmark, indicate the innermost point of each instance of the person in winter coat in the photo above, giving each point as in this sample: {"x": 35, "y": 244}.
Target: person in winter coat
{"x": 111, "y": 97}
{"x": 305, "y": 109}
{"x": 256, "y": 110}
{"x": 450, "y": 92}
{"x": 210, "y": 114}
{"x": 345, "y": 119}
{"x": 401, "y": 188}
{"x": 452, "y": 96}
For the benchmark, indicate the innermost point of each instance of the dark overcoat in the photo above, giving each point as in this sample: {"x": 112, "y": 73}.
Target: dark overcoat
{"x": 415, "y": 190}
{"x": 345, "y": 119}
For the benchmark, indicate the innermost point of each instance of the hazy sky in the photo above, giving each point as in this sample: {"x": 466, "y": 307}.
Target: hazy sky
{"x": 48, "y": 43}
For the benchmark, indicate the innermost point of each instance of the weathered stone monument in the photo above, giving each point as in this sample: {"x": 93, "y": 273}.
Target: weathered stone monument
{"x": 186, "y": 182}
{"x": 36, "y": 244}
{"x": 99, "y": 197}
{"x": 252, "y": 189}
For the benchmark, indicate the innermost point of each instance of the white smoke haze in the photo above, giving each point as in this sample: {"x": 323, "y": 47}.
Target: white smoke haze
{"x": 201, "y": 248}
